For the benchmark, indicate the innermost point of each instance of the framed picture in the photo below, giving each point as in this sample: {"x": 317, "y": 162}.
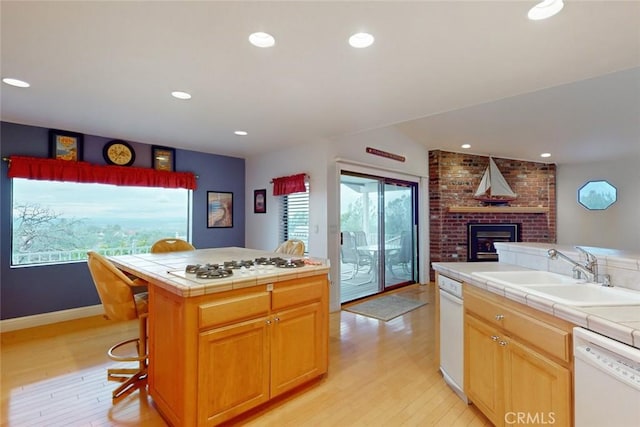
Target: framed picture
{"x": 65, "y": 145}
{"x": 260, "y": 201}
{"x": 164, "y": 158}
{"x": 219, "y": 209}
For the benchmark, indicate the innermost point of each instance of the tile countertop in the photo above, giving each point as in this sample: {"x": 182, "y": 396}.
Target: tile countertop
{"x": 621, "y": 323}
{"x": 167, "y": 270}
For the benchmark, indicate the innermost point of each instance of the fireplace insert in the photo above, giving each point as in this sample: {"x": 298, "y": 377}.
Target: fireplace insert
{"x": 480, "y": 239}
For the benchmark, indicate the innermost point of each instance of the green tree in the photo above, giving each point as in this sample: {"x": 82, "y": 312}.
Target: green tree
{"x": 352, "y": 219}
{"x": 597, "y": 200}
{"x": 398, "y": 215}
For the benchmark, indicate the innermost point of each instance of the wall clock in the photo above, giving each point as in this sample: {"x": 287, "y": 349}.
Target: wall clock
{"x": 119, "y": 153}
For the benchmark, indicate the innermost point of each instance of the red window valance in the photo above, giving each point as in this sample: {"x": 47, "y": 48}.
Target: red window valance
{"x": 289, "y": 184}
{"x": 65, "y": 170}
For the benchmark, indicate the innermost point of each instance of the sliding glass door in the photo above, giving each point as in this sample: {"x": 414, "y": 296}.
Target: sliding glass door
{"x": 400, "y": 230}
{"x": 378, "y": 231}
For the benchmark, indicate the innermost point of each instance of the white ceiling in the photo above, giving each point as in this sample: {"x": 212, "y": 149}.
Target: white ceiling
{"x": 444, "y": 73}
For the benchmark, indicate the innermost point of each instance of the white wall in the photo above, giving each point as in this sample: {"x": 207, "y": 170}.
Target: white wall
{"x": 349, "y": 153}
{"x": 617, "y": 227}
{"x": 262, "y": 229}
{"x": 320, "y": 159}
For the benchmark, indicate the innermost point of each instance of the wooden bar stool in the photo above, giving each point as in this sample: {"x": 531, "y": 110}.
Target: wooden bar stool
{"x": 120, "y": 303}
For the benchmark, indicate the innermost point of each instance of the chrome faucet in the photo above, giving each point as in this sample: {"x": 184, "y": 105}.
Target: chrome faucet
{"x": 589, "y": 269}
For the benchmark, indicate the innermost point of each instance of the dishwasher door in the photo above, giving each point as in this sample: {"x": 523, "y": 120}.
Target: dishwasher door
{"x": 452, "y": 342}
{"x": 607, "y": 381}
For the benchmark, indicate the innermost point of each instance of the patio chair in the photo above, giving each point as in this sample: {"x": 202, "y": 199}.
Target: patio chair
{"x": 402, "y": 256}
{"x": 349, "y": 254}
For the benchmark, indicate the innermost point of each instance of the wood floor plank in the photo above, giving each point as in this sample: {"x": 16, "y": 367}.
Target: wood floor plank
{"x": 380, "y": 374}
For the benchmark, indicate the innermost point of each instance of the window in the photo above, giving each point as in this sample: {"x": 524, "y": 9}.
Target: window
{"x": 294, "y": 214}
{"x": 597, "y": 195}
{"x": 57, "y": 222}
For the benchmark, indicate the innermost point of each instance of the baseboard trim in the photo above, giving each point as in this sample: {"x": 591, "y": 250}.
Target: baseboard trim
{"x": 48, "y": 318}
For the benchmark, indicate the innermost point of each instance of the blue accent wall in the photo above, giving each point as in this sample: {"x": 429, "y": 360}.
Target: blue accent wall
{"x": 26, "y": 291}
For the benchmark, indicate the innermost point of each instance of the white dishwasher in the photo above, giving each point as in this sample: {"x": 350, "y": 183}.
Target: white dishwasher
{"x": 607, "y": 381}
{"x": 451, "y": 334}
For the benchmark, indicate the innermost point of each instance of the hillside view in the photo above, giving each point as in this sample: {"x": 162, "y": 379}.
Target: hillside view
{"x": 60, "y": 222}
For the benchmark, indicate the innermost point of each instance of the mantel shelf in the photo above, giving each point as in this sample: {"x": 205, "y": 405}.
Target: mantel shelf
{"x": 497, "y": 209}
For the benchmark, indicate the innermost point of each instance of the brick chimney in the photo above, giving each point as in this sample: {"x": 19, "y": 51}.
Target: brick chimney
{"x": 453, "y": 179}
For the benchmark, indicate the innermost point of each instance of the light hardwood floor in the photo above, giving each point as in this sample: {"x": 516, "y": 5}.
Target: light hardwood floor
{"x": 380, "y": 374}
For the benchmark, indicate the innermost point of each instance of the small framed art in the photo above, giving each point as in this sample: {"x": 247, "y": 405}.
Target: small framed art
{"x": 219, "y": 209}
{"x": 260, "y": 201}
{"x": 164, "y": 158}
{"x": 65, "y": 145}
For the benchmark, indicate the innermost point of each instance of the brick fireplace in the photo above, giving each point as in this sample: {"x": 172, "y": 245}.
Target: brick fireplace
{"x": 453, "y": 179}
{"x": 481, "y": 237}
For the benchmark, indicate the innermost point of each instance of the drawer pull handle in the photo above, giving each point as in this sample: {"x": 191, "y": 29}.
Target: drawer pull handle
{"x": 268, "y": 322}
{"x": 494, "y": 337}
{"x": 503, "y": 343}
{"x": 499, "y": 316}
{"x": 277, "y": 319}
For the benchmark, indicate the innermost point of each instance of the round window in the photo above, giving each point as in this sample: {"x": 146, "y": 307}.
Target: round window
{"x": 597, "y": 195}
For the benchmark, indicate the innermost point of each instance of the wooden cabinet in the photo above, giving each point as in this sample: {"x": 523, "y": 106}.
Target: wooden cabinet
{"x": 233, "y": 370}
{"x": 235, "y": 350}
{"x": 483, "y": 364}
{"x": 536, "y": 386}
{"x": 297, "y": 355}
{"x": 517, "y": 361}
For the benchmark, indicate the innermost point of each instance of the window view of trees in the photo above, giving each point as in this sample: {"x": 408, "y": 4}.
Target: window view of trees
{"x": 351, "y": 217}
{"x": 56, "y": 222}
{"x": 597, "y": 195}
{"x": 398, "y": 213}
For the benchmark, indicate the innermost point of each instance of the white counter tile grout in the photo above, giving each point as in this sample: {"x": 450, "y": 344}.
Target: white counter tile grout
{"x": 161, "y": 269}
{"x": 602, "y": 322}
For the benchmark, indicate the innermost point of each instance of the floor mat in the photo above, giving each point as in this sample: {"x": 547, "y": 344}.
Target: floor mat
{"x": 386, "y": 307}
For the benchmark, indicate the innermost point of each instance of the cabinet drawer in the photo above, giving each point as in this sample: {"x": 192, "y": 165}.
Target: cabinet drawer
{"x": 548, "y": 338}
{"x": 233, "y": 309}
{"x": 483, "y": 308}
{"x": 286, "y": 296}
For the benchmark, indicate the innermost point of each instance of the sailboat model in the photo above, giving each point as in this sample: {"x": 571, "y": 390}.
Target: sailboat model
{"x": 493, "y": 188}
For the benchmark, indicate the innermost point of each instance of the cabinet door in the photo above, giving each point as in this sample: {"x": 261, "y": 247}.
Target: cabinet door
{"x": 298, "y": 347}
{"x": 537, "y": 390}
{"x": 233, "y": 370}
{"x": 483, "y": 368}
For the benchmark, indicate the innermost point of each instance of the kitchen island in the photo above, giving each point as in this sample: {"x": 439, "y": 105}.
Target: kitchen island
{"x": 219, "y": 347}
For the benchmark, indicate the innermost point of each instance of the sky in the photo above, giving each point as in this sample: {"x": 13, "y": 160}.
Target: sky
{"x": 73, "y": 200}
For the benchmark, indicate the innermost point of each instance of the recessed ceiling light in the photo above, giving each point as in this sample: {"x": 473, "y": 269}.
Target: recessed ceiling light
{"x": 241, "y": 132}
{"x": 180, "y": 95}
{"x": 15, "y": 82}
{"x": 261, "y": 39}
{"x": 361, "y": 40}
{"x": 545, "y": 155}
{"x": 545, "y": 9}
{"x": 466, "y": 146}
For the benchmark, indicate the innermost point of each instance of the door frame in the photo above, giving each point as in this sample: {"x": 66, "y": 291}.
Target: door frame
{"x": 384, "y": 178}
{"x": 335, "y": 168}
